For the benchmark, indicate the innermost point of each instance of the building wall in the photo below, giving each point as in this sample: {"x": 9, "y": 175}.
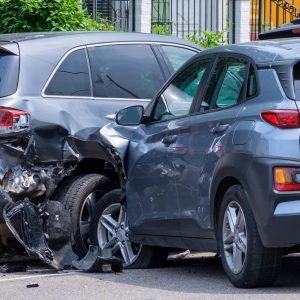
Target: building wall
{"x": 266, "y": 15}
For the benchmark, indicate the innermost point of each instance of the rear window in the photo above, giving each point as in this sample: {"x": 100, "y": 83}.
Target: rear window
{"x": 9, "y": 73}
{"x": 72, "y": 77}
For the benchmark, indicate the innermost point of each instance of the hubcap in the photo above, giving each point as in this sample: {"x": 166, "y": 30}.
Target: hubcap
{"x": 113, "y": 233}
{"x": 85, "y": 216}
{"x": 234, "y": 237}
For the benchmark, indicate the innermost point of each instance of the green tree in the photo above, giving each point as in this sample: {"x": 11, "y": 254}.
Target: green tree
{"x": 47, "y": 15}
{"x": 163, "y": 29}
{"x": 207, "y": 39}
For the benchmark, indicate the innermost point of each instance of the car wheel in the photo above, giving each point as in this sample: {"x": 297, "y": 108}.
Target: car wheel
{"x": 80, "y": 195}
{"x": 246, "y": 261}
{"x": 109, "y": 230}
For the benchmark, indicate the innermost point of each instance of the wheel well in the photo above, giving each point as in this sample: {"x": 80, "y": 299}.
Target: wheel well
{"x": 224, "y": 185}
{"x": 95, "y": 166}
{"x": 90, "y": 166}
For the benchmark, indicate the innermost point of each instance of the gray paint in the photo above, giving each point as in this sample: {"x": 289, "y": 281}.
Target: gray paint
{"x": 171, "y": 189}
{"x": 63, "y": 129}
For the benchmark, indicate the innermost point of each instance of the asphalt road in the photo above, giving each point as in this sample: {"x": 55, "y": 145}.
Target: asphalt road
{"x": 191, "y": 278}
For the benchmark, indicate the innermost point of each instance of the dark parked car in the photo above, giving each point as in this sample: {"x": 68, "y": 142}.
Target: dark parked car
{"x": 213, "y": 164}
{"x": 287, "y": 30}
{"x": 56, "y": 90}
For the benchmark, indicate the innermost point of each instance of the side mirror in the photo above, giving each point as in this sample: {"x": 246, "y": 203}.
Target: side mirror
{"x": 130, "y": 116}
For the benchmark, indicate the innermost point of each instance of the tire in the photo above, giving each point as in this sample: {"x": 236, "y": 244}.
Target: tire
{"x": 79, "y": 194}
{"x": 143, "y": 256}
{"x": 255, "y": 265}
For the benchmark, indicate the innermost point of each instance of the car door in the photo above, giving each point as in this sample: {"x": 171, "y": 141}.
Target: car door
{"x": 152, "y": 202}
{"x": 204, "y": 138}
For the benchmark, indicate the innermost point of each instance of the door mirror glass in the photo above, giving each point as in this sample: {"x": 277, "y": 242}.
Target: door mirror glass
{"x": 130, "y": 116}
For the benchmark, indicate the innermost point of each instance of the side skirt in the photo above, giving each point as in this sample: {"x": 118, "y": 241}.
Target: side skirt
{"x": 195, "y": 244}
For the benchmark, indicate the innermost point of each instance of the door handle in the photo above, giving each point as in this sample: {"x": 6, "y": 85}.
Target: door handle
{"x": 219, "y": 128}
{"x": 169, "y": 139}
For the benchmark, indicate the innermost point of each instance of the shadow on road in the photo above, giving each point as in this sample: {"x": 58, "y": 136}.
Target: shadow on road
{"x": 205, "y": 275}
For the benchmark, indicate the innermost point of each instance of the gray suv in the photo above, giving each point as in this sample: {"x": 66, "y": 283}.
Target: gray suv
{"x": 56, "y": 90}
{"x": 212, "y": 164}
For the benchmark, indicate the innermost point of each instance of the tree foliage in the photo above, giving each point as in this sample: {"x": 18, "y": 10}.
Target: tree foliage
{"x": 47, "y": 15}
{"x": 207, "y": 39}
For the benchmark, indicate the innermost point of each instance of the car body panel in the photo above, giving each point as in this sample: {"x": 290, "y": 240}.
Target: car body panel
{"x": 204, "y": 162}
{"x": 65, "y": 130}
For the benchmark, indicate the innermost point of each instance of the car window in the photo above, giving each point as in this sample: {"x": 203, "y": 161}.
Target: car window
{"x": 125, "y": 71}
{"x": 177, "y": 99}
{"x": 72, "y": 77}
{"x": 252, "y": 83}
{"x": 177, "y": 56}
{"x": 9, "y": 73}
{"x": 297, "y": 81}
{"x": 225, "y": 87}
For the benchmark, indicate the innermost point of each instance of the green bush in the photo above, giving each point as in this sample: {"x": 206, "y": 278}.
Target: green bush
{"x": 164, "y": 29}
{"x": 207, "y": 39}
{"x": 47, "y": 15}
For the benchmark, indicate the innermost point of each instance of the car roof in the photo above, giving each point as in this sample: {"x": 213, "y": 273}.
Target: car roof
{"x": 263, "y": 52}
{"x": 71, "y": 39}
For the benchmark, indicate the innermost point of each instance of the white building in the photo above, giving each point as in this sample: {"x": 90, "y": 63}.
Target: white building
{"x": 182, "y": 16}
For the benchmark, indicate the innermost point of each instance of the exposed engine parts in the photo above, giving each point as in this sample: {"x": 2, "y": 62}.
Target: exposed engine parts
{"x": 24, "y": 182}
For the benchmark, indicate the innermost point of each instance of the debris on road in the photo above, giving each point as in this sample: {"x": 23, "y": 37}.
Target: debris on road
{"x": 32, "y": 285}
{"x": 98, "y": 260}
{"x": 12, "y": 268}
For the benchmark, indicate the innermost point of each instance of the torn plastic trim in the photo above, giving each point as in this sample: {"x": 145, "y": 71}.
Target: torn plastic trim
{"x": 97, "y": 260}
{"x": 33, "y": 240}
{"x": 38, "y": 222}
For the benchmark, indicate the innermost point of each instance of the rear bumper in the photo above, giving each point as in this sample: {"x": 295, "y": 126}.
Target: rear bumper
{"x": 277, "y": 214}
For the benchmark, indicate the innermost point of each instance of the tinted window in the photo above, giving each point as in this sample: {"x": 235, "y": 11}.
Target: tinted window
{"x": 125, "y": 71}
{"x": 226, "y": 85}
{"x": 9, "y": 73}
{"x": 178, "y": 97}
{"x": 72, "y": 77}
{"x": 252, "y": 83}
{"x": 177, "y": 56}
{"x": 297, "y": 81}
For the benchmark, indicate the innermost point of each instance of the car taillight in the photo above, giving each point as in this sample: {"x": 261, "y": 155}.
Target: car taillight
{"x": 13, "y": 120}
{"x": 282, "y": 118}
{"x": 287, "y": 179}
{"x": 296, "y": 32}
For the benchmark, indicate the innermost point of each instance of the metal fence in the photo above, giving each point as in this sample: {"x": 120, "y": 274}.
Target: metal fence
{"x": 269, "y": 14}
{"x": 119, "y": 12}
{"x": 188, "y": 16}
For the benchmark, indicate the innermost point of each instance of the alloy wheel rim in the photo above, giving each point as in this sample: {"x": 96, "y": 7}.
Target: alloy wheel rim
{"x": 113, "y": 234}
{"x": 85, "y": 216}
{"x": 234, "y": 237}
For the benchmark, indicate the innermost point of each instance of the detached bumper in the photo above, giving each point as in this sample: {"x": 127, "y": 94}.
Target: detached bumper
{"x": 44, "y": 230}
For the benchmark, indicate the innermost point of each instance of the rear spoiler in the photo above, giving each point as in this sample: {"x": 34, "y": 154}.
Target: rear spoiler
{"x": 10, "y": 47}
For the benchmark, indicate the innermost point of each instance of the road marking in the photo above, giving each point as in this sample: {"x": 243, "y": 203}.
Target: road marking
{"x": 37, "y": 276}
